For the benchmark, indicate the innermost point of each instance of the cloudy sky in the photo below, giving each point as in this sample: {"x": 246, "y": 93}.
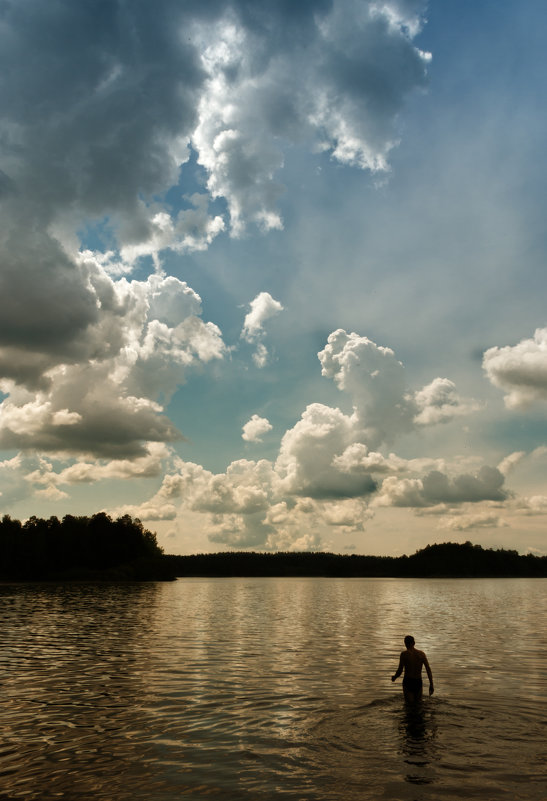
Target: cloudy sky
{"x": 273, "y": 273}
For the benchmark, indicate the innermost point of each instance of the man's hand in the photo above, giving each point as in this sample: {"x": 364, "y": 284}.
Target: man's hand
{"x": 431, "y": 689}
{"x": 393, "y": 678}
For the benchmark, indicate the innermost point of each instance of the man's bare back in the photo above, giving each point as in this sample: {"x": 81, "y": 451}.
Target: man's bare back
{"x": 411, "y": 661}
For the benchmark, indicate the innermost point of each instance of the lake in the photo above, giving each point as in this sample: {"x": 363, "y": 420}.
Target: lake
{"x": 266, "y": 688}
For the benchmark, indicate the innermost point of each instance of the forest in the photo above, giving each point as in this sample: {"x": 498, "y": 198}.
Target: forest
{"x": 81, "y": 548}
{"x": 101, "y": 548}
{"x": 447, "y": 559}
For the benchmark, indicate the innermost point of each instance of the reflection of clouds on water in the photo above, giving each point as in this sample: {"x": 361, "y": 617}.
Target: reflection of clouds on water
{"x": 72, "y": 722}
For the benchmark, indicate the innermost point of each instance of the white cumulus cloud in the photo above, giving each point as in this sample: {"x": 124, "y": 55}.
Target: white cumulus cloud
{"x": 375, "y": 380}
{"x": 439, "y": 402}
{"x": 520, "y": 370}
{"x": 255, "y": 428}
{"x": 263, "y": 307}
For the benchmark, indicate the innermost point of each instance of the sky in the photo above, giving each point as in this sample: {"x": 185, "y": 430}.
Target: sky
{"x": 272, "y": 274}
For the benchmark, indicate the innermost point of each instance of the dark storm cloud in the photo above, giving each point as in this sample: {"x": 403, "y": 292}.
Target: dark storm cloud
{"x": 44, "y": 305}
{"x": 374, "y": 72}
{"x": 91, "y": 94}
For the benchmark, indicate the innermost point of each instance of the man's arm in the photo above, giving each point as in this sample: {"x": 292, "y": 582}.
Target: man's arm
{"x": 429, "y": 675}
{"x": 399, "y": 669}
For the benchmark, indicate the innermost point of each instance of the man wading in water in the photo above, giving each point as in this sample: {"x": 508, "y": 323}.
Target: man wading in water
{"x": 411, "y": 661}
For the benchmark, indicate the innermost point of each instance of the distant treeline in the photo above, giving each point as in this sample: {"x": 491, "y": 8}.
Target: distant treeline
{"x": 96, "y": 547}
{"x": 448, "y": 559}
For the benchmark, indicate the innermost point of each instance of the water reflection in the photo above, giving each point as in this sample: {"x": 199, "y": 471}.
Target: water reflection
{"x": 417, "y": 733}
{"x": 72, "y": 679}
{"x": 270, "y": 689}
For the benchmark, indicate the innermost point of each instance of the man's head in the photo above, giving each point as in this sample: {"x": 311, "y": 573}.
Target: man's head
{"x": 409, "y": 641}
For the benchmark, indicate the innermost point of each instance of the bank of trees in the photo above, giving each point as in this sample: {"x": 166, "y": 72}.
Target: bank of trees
{"x": 78, "y": 547}
{"x": 448, "y": 559}
{"x": 99, "y": 547}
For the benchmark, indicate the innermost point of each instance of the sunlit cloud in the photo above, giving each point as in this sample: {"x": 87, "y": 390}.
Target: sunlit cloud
{"x": 520, "y": 370}
{"x": 255, "y": 428}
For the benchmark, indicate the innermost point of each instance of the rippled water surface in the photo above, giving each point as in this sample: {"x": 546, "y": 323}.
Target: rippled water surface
{"x": 272, "y": 689}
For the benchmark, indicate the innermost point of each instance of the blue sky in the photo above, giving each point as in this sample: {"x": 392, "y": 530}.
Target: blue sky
{"x": 273, "y": 274}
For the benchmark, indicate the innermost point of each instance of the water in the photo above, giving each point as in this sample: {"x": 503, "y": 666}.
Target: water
{"x": 271, "y": 689}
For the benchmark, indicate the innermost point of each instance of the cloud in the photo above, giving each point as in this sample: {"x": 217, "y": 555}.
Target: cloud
{"x": 520, "y": 370}
{"x": 255, "y": 428}
{"x": 260, "y": 356}
{"x": 357, "y": 458}
{"x": 148, "y": 512}
{"x": 405, "y": 492}
{"x": 306, "y": 460}
{"x": 438, "y": 402}
{"x": 265, "y": 505}
{"x": 467, "y": 522}
{"x": 145, "y": 337}
{"x": 243, "y": 489}
{"x": 77, "y": 141}
{"x": 191, "y": 230}
{"x": 65, "y": 418}
{"x": 12, "y": 478}
{"x": 326, "y": 473}
{"x": 350, "y": 514}
{"x": 510, "y": 462}
{"x": 438, "y": 488}
{"x": 487, "y": 485}
{"x": 263, "y": 307}
{"x": 100, "y": 125}
{"x": 109, "y": 426}
{"x": 375, "y": 380}
{"x": 355, "y": 63}
{"x": 247, "y": 506}
{"x": 47, "y": 310}
{"x": 535, "y": 505}
{"x": 535, "y": 551}
{"x": 109, "y": 135}
{"x": 150, "y": 465}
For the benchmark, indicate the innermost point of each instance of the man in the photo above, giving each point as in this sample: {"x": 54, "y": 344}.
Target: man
{"x": 411, "y": 661}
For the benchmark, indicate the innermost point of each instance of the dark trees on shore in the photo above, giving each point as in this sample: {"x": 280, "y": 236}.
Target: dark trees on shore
{"x": 448, "y": 559}
{"x": 99, "y": 547}
{"x": 78, "y": 547}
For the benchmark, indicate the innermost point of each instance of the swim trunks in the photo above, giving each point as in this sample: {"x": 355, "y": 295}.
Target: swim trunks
{"x": 412, "y": 685}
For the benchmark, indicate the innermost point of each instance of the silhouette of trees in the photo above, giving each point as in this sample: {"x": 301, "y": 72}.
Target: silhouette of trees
{"x": 77, "y": 546}
{"x": 448, "y": 559}
{"x": 100, "y": 547}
